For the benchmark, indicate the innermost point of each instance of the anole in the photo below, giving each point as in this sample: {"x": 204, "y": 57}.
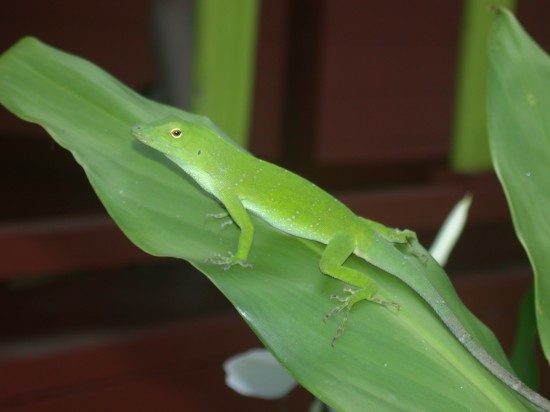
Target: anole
{"x": 245, "y": 184}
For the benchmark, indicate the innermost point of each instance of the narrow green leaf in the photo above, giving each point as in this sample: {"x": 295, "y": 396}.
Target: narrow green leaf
{"x": 223, "y": 78}
{"x": 405, "y": 361}
{"x": 524, "y": 356}
{"x": 470, "y": 151}
{"x": 519, "y": 130}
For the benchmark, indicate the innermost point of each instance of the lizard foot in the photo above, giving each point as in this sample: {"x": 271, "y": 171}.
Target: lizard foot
{"x": 409, "y": 238}
{"x": 347, "y": 302}
{"x": 221, "y": 215}
{"x": 227, "y": 261}
{"x": 418, "y": 252}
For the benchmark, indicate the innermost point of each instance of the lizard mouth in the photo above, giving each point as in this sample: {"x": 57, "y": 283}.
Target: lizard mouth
{"x": 136, "y": 131}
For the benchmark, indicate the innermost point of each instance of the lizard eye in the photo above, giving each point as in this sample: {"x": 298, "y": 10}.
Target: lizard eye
{"x": 176, "y": 133}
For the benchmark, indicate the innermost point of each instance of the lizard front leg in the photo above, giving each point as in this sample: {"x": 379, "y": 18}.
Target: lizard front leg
{"x": 241, "y": 217}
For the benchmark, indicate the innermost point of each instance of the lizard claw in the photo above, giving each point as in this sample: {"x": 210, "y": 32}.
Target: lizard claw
{"x": 221, "y": 215}
{"x": 227, "y": 261}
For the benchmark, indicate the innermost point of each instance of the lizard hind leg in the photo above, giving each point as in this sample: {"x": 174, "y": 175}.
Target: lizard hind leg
{"x": 406, "y": 237}
{"x": 338, "y": 250}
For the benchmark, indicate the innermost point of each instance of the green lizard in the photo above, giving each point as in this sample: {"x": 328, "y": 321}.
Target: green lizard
{"x": 245, "y": 184}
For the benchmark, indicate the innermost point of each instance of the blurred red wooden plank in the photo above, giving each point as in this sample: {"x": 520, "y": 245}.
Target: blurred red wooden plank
{"x": 175, "y": 368}
{"x": 65, "y": 244}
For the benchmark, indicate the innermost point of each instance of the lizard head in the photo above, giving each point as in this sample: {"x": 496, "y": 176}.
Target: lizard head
{"x": 175, "y": 137}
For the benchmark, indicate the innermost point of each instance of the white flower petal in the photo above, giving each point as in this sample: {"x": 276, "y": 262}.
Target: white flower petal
{"x": 257, "y": 373}
{"x": 450, "y": 231}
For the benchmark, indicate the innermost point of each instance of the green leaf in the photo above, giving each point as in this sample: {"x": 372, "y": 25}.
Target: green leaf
{"x": 384, "y": 361}
{"x": 470, "y": 146}
{"x": 524, "y": 354}
{"x": 223, "y": 72}
{"x": 519, "y": 130}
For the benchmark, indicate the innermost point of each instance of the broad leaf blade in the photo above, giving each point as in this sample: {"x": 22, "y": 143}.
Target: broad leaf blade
{"x": 519, "y": 129}
{"x": 384, "y": 360}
